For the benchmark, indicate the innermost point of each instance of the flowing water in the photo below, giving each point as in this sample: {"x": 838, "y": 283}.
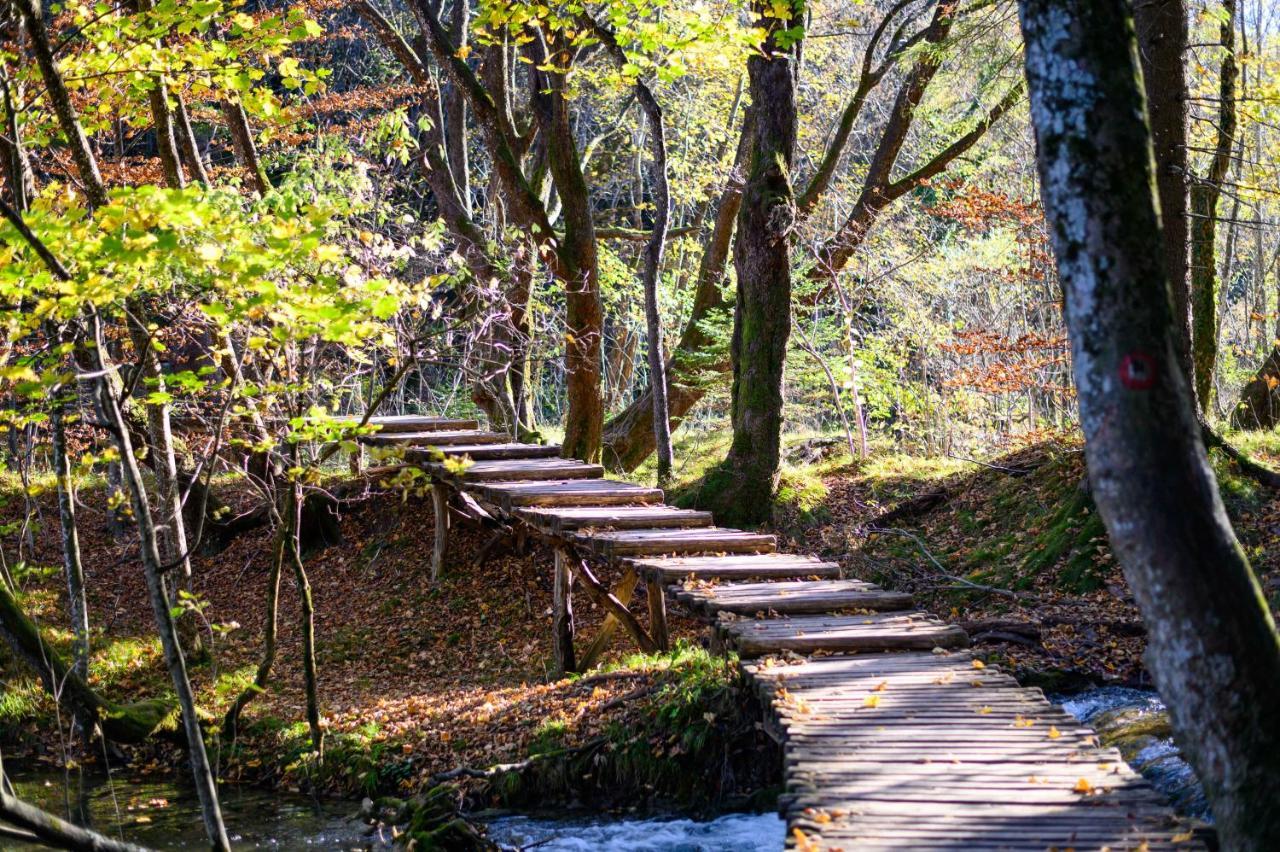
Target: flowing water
{"x": 730, "y": 833}
{"x": 1136, "y": 718}
{"x": 164, "y": 815}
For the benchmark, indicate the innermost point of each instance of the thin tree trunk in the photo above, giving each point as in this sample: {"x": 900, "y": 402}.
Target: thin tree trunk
{"x": 186, "y": 138}
{"x": 740, "y": 491}
{"x": 245, "y": 148}
{"x": 1212, "y": 645}
{"x": 654, "y": 250}
{"x": 1204, "y": 219}
{"x": 1161, "y": 27}
{"x": 629, "y": 436}
{"x": 77, "y": 601}
{"x": 14, "y": 162}
{"x": 206, "y": 786}
{"x": 286, "y": 531}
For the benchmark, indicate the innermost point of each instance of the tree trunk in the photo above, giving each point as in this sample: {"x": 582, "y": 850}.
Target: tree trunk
{"x": 1204, "y": 219}
{"x": 186, "y": 138}
{"x": 1212, "y": 645}
{"x": 584, "y": 313}
{"x": 629, "y": 437}
{"x": 740, "y": 490}
{"x": 245, "y": 148}
{"x": 153, "y": 570}
{"x": 14, "y": 163}
{"x": 77, "y": 602}
{"x": 1161, "y": 26}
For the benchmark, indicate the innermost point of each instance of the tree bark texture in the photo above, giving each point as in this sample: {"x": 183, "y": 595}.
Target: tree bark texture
{"x": 1161, "y": 26}
{"x": 1204, "y": 196}
{"x": 1212, "y": 645}
{"x": 741, "y": 489}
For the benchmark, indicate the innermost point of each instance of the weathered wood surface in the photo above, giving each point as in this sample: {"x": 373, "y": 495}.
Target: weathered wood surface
{"x": 833, "y": 633}
{"x": 613, "y": 544}
{"x": 581, "y": 492}
{"x": 788, "y": 597}
{"x": 749, "y": 567}
{"x": 415, "y": 423}
{"x": 893, "y": 739}
{"x": 418, "y": 444}
{"x": 569, "y": 518}
{"x": 522, "y": 470}
{"x": 935, "y": 751}
{"x": 487, "y": 451}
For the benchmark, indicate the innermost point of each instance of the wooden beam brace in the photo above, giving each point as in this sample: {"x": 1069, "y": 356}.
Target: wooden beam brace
{"x": 623, "y": 592}
{"x": 605, "y": 598}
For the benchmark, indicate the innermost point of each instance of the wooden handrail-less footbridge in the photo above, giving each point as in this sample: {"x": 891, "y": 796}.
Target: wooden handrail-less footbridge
{"x": 895, "y": 737}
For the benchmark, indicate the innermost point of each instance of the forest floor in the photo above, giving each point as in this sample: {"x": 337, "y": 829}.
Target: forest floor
{"x": 417, "y": 679}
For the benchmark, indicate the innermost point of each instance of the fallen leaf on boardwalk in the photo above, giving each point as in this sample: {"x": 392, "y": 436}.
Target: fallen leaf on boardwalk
{"x": 978, "y": 664}
{"x": 871, "y": 701}
{"x": 1054, "y": 733}
{"x": 803, "y": 842}
{"x": 1083, "y": 787}
{"x": 984, "y": 710}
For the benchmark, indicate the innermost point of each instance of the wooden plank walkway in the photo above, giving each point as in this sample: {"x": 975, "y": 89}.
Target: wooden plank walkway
{"x": 894, "y": 736}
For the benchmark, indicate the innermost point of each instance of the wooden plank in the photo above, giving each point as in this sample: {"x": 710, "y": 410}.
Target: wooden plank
{"x": 752, "y": 567}
{"x": 503, "y": 451}
{"x": 526, "y": 470}
{"x": 649, "y": 542}
{"x": 416, "y": 444}
{"x": 579, "y": 492}
{"x": 415, "y": 423}
{"x": 789, "y": 598}
{"x": 806, "y": 634}
{"x": 569, "y": 518}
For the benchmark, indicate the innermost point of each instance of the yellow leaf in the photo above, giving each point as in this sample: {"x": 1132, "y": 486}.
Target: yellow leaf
{"x": 978, "y": 664}
{"x": 871, "y": 701}
{"x": 984, "y": 710}
{"x": 1083, "y": 787}
{"x": 1054, "y": 733}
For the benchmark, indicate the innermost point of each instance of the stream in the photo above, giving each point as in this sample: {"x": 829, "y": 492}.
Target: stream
{"x": 160, "y": 813}
{"x": 1135, "y": 722}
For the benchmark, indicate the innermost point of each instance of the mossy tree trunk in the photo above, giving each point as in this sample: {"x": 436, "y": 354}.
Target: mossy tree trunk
{"x": 1161, "y": 27}
{"x": 1212, "y": 647}
{"x": 740, "y": 490}
{"x": 1204, "y": 196}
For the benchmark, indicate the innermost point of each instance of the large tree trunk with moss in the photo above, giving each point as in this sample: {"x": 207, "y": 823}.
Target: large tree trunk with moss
{"x": 740, "y": 489}
{"x": 1212, "y": 645}
{"x": 1204, "y": 220}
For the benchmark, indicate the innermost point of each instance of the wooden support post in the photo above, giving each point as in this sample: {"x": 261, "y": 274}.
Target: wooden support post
{"x": 440, "y": 507}
{"x": 658, "y": 614}
{"x": 562, "y": 615}
{"x": 357, "y": 460}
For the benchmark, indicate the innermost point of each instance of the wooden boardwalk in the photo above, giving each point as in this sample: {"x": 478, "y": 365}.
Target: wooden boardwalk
{"x": 894, "y": 736}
